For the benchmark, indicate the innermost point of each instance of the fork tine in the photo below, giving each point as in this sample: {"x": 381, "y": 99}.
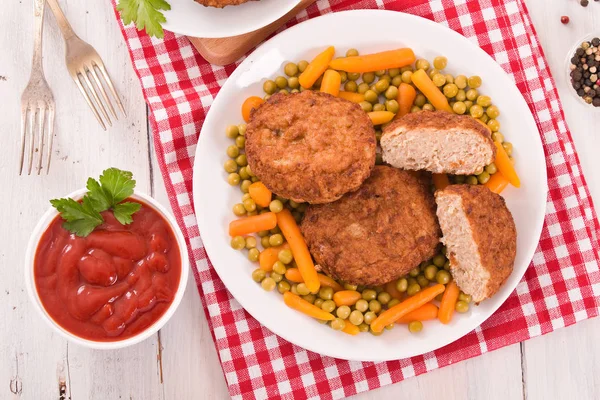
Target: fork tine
{"x": 31, "y": 137}
{"x": 92, "y": 70}
{"x": 100, "y": 66}
{"x": 91, "y": 88}
{"x": 50, "y": 136}
{"x": 41, "y": 122}
{"x": 23, "y": 136}
{"x": 87, "y": 98}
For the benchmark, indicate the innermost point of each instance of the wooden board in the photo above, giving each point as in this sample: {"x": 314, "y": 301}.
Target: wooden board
{"x": 223, "y": 51}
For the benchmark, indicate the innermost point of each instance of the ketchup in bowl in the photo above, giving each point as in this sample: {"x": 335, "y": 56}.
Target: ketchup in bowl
{"x": 112, "y": 284}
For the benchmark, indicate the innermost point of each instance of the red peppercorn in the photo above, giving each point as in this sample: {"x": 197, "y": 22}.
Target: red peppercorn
{"x": 564, "y": 19}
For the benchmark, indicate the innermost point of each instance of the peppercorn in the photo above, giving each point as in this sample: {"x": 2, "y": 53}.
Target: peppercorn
{"x": 596, "y": 102}
{"x": 584, "y": 3}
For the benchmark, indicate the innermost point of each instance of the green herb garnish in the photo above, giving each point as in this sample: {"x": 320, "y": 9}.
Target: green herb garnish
{"x": 145, "y": 14}
{"x": 81, "y": 218}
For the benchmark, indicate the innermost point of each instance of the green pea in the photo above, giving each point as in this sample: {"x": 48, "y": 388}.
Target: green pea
{"x": 318, "y": 302}
{"x": 386, "y": 77}
{"x": 474, "y": 81}
{"x": 459, "y": 107}
{"x": 328, "y": 306}
{"x": 497, "y": 137}
{"x": 420, "y": 100}
{"x": 268, "y": 284}
{"x": 397, "y": 80}
{"x": 414, "y": 272}
{"x": 392, "y": 106}
{"x": 439, "y": 80}
{"x": 368, "y": 77}
{"x": 290, "y": 69}
{"x": 484, "y": 101}
{"x": 381, "y": 72}
{"x": 379, "y": 107}
{"x": 382, "y": 85}
{"x": 472, "y": 94}
{"x": 309, "y": 297}
{"x": 407, "y": 76}
{"x": 476, "y": 111}
{"x": 276, "y": 240}
{"x": 283, "y": 287}
{"x": 491, "y": 169}
{"x": 391, "y": 93}
{"x": 422, "y": 281}
{"x": 356, "y": 317}
{"x": 472, "y": 180}
{"x": 269, "y": 87}
{"x": 232, "y": 131}
{"x": 371, "y": 96}
{"x": 428, "y": 107}
{"x": 362, "y": 305}
{"x": 249, "y": 205}
{"x": 384, "y": 298}
{"x": 233, "y": 151}
{"x": 241, "y": 160}
{"x": 494, "y": 125}
{"x": 343, "y": 312}
{"x": 369, "y": 317}
{"x": 450, "y": 90}
{"x": 294, "y": 83}
{"x": 326, "y": 293}
{"x": 492, "y": 112}
{"x": 430, "y": 272}
{"x": 374, "y": 306}
{"x": 414, "y": 109}
{"x": 302, "y": 289}
{"x": 253, "y": 254}
{"x": 239, "y": 210}
{"x": 363, "y": 87}
{"x": 483, "y": 177}
{"x": 285, "y": 256}
{"x": 459, "y": 179}
{"x": 233, "y": 179}
{"x": 447, "y": 265}
{"x": 250, "y": 242}
{"x": 243, "y": 174}
{"x": 264, "y": 241}
{"x": 351, "y": 86}
{"x": 258, "y": 275}
{"x": 279, "y": 267}
{"x": 353, "y": 76}
{"x": 422, "y": 64}
{"x": 369, "y": 294}
{"x": 284, "y": 91}
{"x": 230, "y": 166}
{"x": 461, "y": 95}
{"x": 352, "y": 53}
{"x": 363, "y": 327}
{"x": 402, "y": 285}
{"x": 439, "y": 260}
{"x": 338, "y": 324}
{"x": 413, "y": 289}
{"x": 302, "y": 65}
{"x": 242, "y": 129}
{"x": 460, "y": 81}
{"x": 461, "y": 306}
{"x": 276, "y": 206}
{"x": 240, "y": 142}
{"x": 392, "y": 303}
{"x": 469, "y": 104}
{"x": 442, "y": 277}
{"x": 281, "y": 82}
{"x": 508, "y": 147}
{"x": 238, "y": 242}
{"x": 415, "y": 326}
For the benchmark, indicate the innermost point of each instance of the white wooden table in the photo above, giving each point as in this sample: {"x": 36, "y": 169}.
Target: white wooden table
{"x": 180, "y": 362}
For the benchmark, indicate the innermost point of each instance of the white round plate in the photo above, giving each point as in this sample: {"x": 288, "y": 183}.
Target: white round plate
{"x": 187, "y": 17}
{"x": 368, "y": 31}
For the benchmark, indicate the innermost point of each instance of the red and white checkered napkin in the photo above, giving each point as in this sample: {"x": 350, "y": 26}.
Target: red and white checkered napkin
{"x": 561, "y": 287}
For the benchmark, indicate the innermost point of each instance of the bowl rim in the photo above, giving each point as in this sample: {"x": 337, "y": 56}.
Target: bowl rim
{"x": 32, "y": 246}
{"x": 570, "y": 54}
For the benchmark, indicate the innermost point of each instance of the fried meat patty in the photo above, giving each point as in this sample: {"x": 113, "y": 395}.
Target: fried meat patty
{"x": 378, "y": 233}
{"x": 310, "y": 146}
{"x": 221, "y": 3}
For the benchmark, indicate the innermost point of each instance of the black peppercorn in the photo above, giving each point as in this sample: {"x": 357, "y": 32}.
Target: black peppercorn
{"x": 584, "y": 3}
{"x": 596, "y": 102}
{"x": 596, "y": 41}
{"x": 586, "y": 74}
{"x": 580, "y": 92}
{"x": 579, "y": 53}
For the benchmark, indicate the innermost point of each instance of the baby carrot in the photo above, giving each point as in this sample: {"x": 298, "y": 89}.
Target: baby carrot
{"x": 374, "y": 62}
{"x": 440, "y": 181}
{"x": 269, "y": 256}
{"x": 448, "y": 303}
{"x": 424, "y": 313}
{"x": 331, "y": 82}
{"x": 260, "y": 194}
{"x": 433, "y": 94}
{"x": 406, "y": 98}
{"x": 411, "y": 304}
{"x": 293, "y": 275}
{"x": 316, "y": 68}
{"x": 497, "y": 183}
{"x": 292, "y": 234}
{"x": 351, "y": 96}
{"x": 346, "y": 297}
{"x": 299, "y": 304}
{"x": 253, "y": 224}
{"x": 250, "y": 103}
{"x": 390, "y": 287}
{"x": 351, "y": 329}
{"x": 381, "y": 117}
{"x": 505, "y": 166}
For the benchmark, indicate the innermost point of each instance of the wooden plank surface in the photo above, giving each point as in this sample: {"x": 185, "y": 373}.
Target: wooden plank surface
{"x": 34, "y": 360}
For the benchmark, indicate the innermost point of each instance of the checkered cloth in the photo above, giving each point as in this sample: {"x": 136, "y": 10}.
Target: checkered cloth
{"x": 561, "y": 287}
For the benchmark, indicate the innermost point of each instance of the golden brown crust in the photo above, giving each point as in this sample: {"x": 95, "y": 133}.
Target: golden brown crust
{"x": 221, "y": 3}
{"x": 310, "y": 146}
{"x": 376, "y": 234}
{"x": 493, "y": 229}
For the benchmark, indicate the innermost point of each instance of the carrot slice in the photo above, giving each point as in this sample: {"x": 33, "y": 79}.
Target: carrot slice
{"x": 497, "y": 183}
{"x": 505, "y": 166}
{"x": 411, "y": 304}
{"x": 331, "y": 82}
{"x": 249, "y": 104}
{"x": 424, "y": 313}
{"x": 260, "y": 194}
{"x": 292, "y": 234}
{"x": 293, "y": 275}
{"x": 381, "y": 117}
{"x": 269, "y": 256}
{"x": 316, "y": 68}
{"x": 406, "y": 99}
{"x": 351, "y": 96}
{"x": 346, "y": 297}
{"x": 374, "y": 62}
{"x": 390, "y": 287}
{"x": 433, "y": 94}
{"x": 299, "y": 304}
{"x": 448, "y": 303}
{"x": 351, "y": 329}
{"x": 253, "y": 224}
{"x": 440, "y": 181}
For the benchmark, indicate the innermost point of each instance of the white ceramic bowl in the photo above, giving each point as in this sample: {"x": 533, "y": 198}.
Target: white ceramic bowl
{"x": 39, "y": 230}
{"x": 570, "y": 55}
{"x": 367, "y": 31}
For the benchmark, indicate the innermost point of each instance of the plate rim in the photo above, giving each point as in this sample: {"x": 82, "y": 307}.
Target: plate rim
{"x": 542, "y": 176}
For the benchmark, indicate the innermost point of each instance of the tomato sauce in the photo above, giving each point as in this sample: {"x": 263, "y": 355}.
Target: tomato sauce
{"x": 112, "y": 284}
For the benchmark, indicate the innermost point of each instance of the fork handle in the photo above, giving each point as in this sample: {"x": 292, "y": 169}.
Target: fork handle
{"x": 62, "y": 21}
{"x": 38, "y": 12}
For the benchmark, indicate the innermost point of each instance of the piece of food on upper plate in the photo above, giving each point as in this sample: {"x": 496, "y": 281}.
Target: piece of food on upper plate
{"x": 480, "y": 238}
{"x": 310, "y": 146}
{"x": 439, "y": 142}
{"x": 222, "y": 3}
{"x": 378, "y": 233}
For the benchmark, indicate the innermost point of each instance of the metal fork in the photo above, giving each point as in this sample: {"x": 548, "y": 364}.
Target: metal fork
{"x": 82, "y": 62}
{"x": 37, "y": 103}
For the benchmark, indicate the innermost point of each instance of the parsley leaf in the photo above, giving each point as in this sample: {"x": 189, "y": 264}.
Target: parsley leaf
{"x": 123, "y": 211}
{"x": 145, "y": 14}
{"x": 114, "y": 186}
{"x": 80, "y": 218}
